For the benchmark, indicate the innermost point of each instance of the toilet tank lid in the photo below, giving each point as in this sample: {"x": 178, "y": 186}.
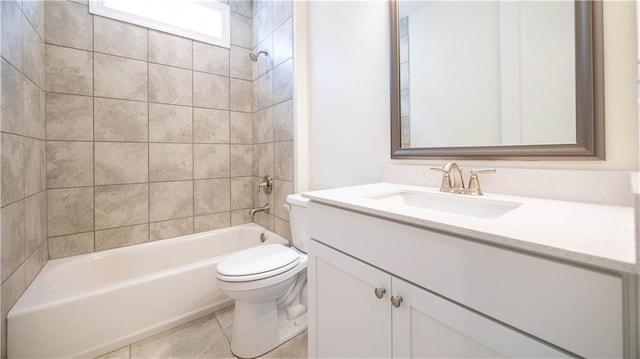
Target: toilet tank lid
{"x": 297, "y": 200}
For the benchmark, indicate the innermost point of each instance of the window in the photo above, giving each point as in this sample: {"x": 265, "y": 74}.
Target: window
{"x": 207, "y": 21}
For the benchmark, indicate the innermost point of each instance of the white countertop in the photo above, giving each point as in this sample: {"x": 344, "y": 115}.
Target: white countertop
{"x": 592, "y": 234}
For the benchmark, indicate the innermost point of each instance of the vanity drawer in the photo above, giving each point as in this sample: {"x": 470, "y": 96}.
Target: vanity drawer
{"x": 574, "y": 308}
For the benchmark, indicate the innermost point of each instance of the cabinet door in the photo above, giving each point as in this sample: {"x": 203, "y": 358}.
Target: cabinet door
{"x": 350, "y": 320}
{"x": 428, "y": 326}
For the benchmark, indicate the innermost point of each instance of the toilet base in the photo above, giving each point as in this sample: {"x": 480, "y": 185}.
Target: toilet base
{"x": 257, "y": 328}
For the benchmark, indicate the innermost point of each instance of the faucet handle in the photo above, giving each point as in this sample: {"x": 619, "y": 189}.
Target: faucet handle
{"x": 474, "y": 183}
{"x": 446, "y": 179}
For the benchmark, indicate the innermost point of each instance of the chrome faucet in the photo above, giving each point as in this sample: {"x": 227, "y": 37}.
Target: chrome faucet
{"x": 458, "y": 182}
{"x": 264, "y": 208}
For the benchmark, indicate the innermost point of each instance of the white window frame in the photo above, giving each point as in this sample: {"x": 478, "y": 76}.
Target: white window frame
{"x": 97, "y": 7}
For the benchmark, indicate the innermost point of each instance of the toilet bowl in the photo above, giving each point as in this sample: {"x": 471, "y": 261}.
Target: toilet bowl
{"x": 269, "y": 285}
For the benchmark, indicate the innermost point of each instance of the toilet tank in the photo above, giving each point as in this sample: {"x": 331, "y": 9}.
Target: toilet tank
{"x": 298, "y": 220}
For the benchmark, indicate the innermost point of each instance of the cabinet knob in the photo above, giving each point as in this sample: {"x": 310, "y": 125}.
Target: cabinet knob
{"x": 396, "y": 301}
{"x": 380, "y": 292}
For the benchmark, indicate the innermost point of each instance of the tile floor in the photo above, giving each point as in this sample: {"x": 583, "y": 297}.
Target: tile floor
{"x": 207, "y": 337}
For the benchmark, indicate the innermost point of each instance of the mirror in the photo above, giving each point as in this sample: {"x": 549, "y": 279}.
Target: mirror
{"x": 497, "y": 80}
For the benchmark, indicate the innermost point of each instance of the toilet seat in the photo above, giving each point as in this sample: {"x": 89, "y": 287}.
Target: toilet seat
{"x": 257, "y": 263}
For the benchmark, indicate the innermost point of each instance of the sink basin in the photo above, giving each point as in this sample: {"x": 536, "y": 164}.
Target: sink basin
{"x": 447, "y": 202}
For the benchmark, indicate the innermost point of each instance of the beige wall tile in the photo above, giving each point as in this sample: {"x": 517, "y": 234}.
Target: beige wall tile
{"x": 69, "y": 211}
{"x": 72, "y": 245}
{"x": 241, "y": 160}
{"x": 283, "y": 82}
{"x": 283, "y": 152}
{"x": 170, "y": 85}
{"x": 242, "y": 7}
{"x": 12, "y": 289}
{"x": 282, "y": 10}
{"x": 211, "y": 221}
{"x": 34, "y": 263}
{"x": 210, "y": 91}
{"x": 120, "y": 237}
{"x": 118, "y": 77}
{"x": 241, "y": 65}
{"x": 241, "y": 128}
{"x": 210, "y": 161}
{"x": 69, "y": 164}
{"x": 33, "y": 54}
{"x": 12, "y": 99}
{"x": 12, "y": 158}
{"x": 170, "y": 123}
{"x": 11, "y": 26}
{"x": 262, "y": 23}
{"x": 170, "y": 49}
{"x": 265, "y": 160}
{"x": 68, "y": 70}
{"x": 241, "y": 216}
{"x": 123, "y": 353}
{"x": 69, "y": 117}
{"x": 241, "y": 192}
{"x": 210, "y": 126}
{"x": 282, "y": 189}
{"x": 212, "y": 196}
{"x": 119, "y": 38}
{"x": 264, "y": 125}
{"x": 33, "y": 110}
{"x": 241, "y": 31}
{"x": 118, "y": 163}
{"x": 121, "y": 205}
{"x": 170, "y": 200}
{"x": 170, "y": 162}
{"x": 282, "y": 228}
{"x": 170, "y": 229}
{"x": 12, "y": 238}
{"x": 35, "y": 221}
{"x": 264, "y": 92}
{"x": 283, "y": 42}
{"x": 35, "y": 166}
{"x": 34, "y": 11}
{"x": 68, "y": 24}
{"x": 210, "y": 58}
{"x": 283, "y": 121}
{"x": 265, "y": 220}
{"x": 120, "y": 120}
{"x": 241, "y": 95}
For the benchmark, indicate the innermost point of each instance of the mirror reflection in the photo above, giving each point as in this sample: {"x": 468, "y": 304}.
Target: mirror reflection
{"x": 487, "y": 73}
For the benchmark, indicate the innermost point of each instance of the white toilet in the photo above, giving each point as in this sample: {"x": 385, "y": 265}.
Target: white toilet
{"x": 269, "y": 285}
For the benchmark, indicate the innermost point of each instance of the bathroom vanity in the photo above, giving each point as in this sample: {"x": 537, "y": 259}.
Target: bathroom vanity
{"x": 400, "y": 271}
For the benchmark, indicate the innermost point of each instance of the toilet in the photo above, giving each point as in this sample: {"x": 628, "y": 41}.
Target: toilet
{"x": 269, "y": 285}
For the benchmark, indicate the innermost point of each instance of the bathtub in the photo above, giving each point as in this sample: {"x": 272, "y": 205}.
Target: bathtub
{"x": 91, "y": 304}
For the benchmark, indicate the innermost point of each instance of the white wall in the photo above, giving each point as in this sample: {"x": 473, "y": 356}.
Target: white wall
{"x": 348, "y": 81}
{"x": 349, "y": 95}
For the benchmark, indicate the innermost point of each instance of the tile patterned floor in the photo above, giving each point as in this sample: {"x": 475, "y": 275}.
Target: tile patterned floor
{"x": 207, "y": 337}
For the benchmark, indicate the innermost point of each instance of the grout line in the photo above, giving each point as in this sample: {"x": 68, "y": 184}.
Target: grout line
{"x": 193, "y": 150}
{"x": 148, "y": 141}
{"x": 93, "y": 132}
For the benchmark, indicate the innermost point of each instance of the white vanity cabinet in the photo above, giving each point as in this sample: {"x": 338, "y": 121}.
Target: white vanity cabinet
{"x": 355, "y": 317}
{"x": 461, "y": 298}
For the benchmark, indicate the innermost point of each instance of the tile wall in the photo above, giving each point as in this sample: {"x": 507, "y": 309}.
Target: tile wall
{"x": 114, "y": 134}
{"x": 273, "y": 104}
{"x": 23, "y": 187}
{"x": 149, "y": 135}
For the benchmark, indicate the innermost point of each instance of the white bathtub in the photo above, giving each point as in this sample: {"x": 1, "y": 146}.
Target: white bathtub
{"x": 89, "y": 305}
